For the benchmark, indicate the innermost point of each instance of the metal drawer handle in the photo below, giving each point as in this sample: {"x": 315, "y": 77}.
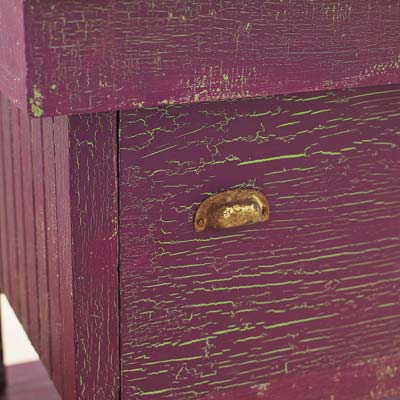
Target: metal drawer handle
{"x": 232, "y": 208}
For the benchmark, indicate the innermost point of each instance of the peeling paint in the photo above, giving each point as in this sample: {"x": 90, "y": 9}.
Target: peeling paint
{"x": 36, "y": 102}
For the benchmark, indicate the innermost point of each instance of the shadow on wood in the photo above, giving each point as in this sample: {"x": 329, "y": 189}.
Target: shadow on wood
{"x": 29, "y": 381}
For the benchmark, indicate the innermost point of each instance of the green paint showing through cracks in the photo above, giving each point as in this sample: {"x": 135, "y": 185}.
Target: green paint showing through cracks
{"x": 288, "y": 124}
{"x": 36, "y": 102}
{"x": 299, "y": 155}
{"x": 288, "y": 156}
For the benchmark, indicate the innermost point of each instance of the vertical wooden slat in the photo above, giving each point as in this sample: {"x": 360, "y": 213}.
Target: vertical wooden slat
{"x": 21, "y": 279}
{"x": 61, "y": 140}
{"x": 3, "y": 221}
{"x": 94, "y": 216}
{"x": 29, "y": 215}
{"x": 12, "y": 266}
{"x": 52, "y": 250}
{"x": 40, "y": 227}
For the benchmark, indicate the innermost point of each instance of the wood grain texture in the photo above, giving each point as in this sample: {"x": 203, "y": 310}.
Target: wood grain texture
{"x": 100, "y": 55}
{"x": 32, "y": 294}
{"x": 61, "y": 141}
{"x": 13, "y": 66}
{"x": 5, "y": 278}
{"x": 94, "y": 218}
{"x": 19, "y": 242}
{"x": 52, "y": 239}
{"x": 60, "y": 237}
{"x": 376, "y": 379}
{"x": 9, "y": 192}
{"x": 223, "y": 314}
{"x": 41, "y": 246}
{"x": 33, "y": 187}
{"x": 17, "y": 220}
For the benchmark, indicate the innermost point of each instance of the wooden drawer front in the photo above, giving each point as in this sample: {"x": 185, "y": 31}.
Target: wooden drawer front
{"x": 243, "y": 311}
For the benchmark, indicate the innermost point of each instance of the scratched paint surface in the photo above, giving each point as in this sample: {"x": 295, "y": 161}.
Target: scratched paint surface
{"x": 100, "y": 55}
{"x": 225, "y": 314}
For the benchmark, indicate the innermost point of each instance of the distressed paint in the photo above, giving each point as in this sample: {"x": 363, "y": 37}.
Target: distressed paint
{"x": 13, "y": 67}
{"x": 59, "y": 196}
{"x": 375, "y": 379}
{"x": 305, "y": 306}
{"x": 94, "y": 219}
{"x": 100, "y": 55}
{"x": 248, "y": 312}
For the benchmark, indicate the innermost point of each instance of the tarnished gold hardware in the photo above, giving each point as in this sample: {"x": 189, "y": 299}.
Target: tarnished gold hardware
{"x": 232, "y": 208}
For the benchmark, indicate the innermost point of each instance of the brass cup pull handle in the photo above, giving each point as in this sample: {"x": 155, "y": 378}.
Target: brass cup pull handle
{"x": 232, "y": 208}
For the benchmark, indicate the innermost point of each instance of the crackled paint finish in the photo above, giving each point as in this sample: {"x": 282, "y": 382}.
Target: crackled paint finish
{"x": 58, "y": 244}
{"x": 98, "y": 252}
{"x": 94, "y": 221}
{"x": 249, "y": 313}
{"x": 100, "y": 55}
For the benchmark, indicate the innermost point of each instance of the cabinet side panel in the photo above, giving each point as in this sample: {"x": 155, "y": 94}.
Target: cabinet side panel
{"x": 35, "y": 235}
{"x": 49, "y": 174}
{"x": 12, "y": 264}
{"x": 41, "y": 246}
{"x": 5, "y": 279}
{"x": 29, "y": 225}
{"x": 61, "y": 141}
{"x": 19, "y": 210}
{"x": 94, "y": 216}
{"x": 12, "y": 52}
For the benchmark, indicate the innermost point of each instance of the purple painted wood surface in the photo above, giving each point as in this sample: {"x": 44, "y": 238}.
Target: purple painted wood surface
{"x": 4, "y": 247}
{"x": 17, "y": 224}
{"x": 41, "y": 248}
{"x": 225, "y": 314}
{"x": 29, "y": 226}
{"x": 29, "y": 381}
{"x": 62, "y": 201}
{"x": 94, "y": 219}
{"x": 29, "y": 231}
{"x": 18, "y": 210}
{"x": 9, "y": 193}
{"x": 52, "y": 239}
{"x": 13, "y": 66}
{"x": 61, "y": 140}
{"x": 89, "y": 56}
{"x": 366, "y": 380}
